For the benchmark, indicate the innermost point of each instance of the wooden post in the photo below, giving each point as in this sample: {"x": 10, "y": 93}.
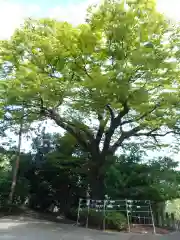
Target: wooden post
{"x": 152, "y": 216}
{"x": 87, "y": 217}
{"x": 127, "y": 214}
{"x": 104, "y": 215}
{"x": 78, "y": 213}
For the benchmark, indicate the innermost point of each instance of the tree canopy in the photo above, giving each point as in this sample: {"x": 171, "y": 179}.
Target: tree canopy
{"x": 107, "y": 80}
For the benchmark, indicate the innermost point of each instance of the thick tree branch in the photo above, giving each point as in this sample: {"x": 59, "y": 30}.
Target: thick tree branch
{"x": 82, "y": 127}
{"x": 142, "y": 116}
{"x": 42, "y": 108}
{"x": 111, "y": 112}
{"x": 115, "y": 123}
{"x": 101, "y": 128}
{"x": 100, "y": 133}
{"x": 123, "y": 112}
{"x": 72, "y": 130}
{"x": 108, "y": 136}
{"x": 81, "y": 134}
{"x": 124, "y": 135}
{"x": 135, "y": 132}
{"x": 151, "y": 134}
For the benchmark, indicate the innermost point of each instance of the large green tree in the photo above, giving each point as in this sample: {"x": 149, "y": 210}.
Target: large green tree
{"x": 105, "y": 81}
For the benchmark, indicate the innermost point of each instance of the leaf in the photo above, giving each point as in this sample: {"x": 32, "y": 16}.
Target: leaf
{"x": 124, "y": 55}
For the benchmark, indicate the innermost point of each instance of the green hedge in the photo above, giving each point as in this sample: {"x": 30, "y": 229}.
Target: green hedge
{"x": 113, "y": 220}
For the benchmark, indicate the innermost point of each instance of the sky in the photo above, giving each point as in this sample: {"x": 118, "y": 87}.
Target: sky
{"x": 13, "y": 13}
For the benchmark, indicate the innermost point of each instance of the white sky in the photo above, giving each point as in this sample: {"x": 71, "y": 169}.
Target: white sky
{"x": 171, "y": 8}
{"x": 12, "y": 15}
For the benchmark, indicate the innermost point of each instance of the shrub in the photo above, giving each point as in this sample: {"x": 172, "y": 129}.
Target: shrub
{"x": 113, "y": 220}
{"x": 95, "y": 218}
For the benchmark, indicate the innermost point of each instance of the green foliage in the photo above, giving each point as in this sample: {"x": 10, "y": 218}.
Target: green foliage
{"x": 105, "y": 81}
{"x": 22, "y": 188}
{"x": 132, "y": 177}
{"x": 113, "y": 220}
{"x": 129, "y": 177}
{"x": 95, "y": 218}
{"x": 56, "y": 175}
{"x": 109, "y": 80}
{"x": 116, "y": 220}
{"x": 122, "y": 55}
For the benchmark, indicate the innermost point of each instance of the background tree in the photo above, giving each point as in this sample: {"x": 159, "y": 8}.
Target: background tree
{"x": 105, "y": 81}
{"x": 132, "y": 176}
{"x": 54, "y": 173}
{"x": 7, "y": 160}
{"x": 57, "y": 177}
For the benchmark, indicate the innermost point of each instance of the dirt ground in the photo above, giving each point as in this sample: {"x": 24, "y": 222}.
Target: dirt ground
{"x": 148, "y": 229}
{"x": 18, "y": 228}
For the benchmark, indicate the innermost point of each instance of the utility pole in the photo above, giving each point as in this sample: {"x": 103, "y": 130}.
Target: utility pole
{"x": 16, "y": 167}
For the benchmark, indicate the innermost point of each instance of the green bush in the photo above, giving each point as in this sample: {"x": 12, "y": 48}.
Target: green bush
{"x": 113, "y": 220}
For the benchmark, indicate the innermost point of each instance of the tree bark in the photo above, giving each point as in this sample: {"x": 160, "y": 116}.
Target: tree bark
{"x": 97, "y": 176}
{"x": 97, "y": 187}
{"x": 16, "y": 167}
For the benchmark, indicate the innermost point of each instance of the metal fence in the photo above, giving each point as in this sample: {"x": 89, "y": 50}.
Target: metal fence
{"x": 137, "y": 212}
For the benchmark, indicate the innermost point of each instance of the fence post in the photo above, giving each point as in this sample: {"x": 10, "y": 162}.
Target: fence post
{"x": 78, "y": 213}
{"x": 87, "y": 218}
{"x": 127, "y": 212}
{"x": 104, "y": 215}
{"x": 156, "y": 219}
{"x": 154, "y": 228}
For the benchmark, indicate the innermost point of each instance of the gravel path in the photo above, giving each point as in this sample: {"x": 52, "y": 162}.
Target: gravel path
{"x": 12, "y": 228}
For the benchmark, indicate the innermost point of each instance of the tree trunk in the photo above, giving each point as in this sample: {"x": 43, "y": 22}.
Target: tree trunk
{"x": 97, "y": 187}
{"x": 97, "y": 171}
{"x": 16, "y": 167}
